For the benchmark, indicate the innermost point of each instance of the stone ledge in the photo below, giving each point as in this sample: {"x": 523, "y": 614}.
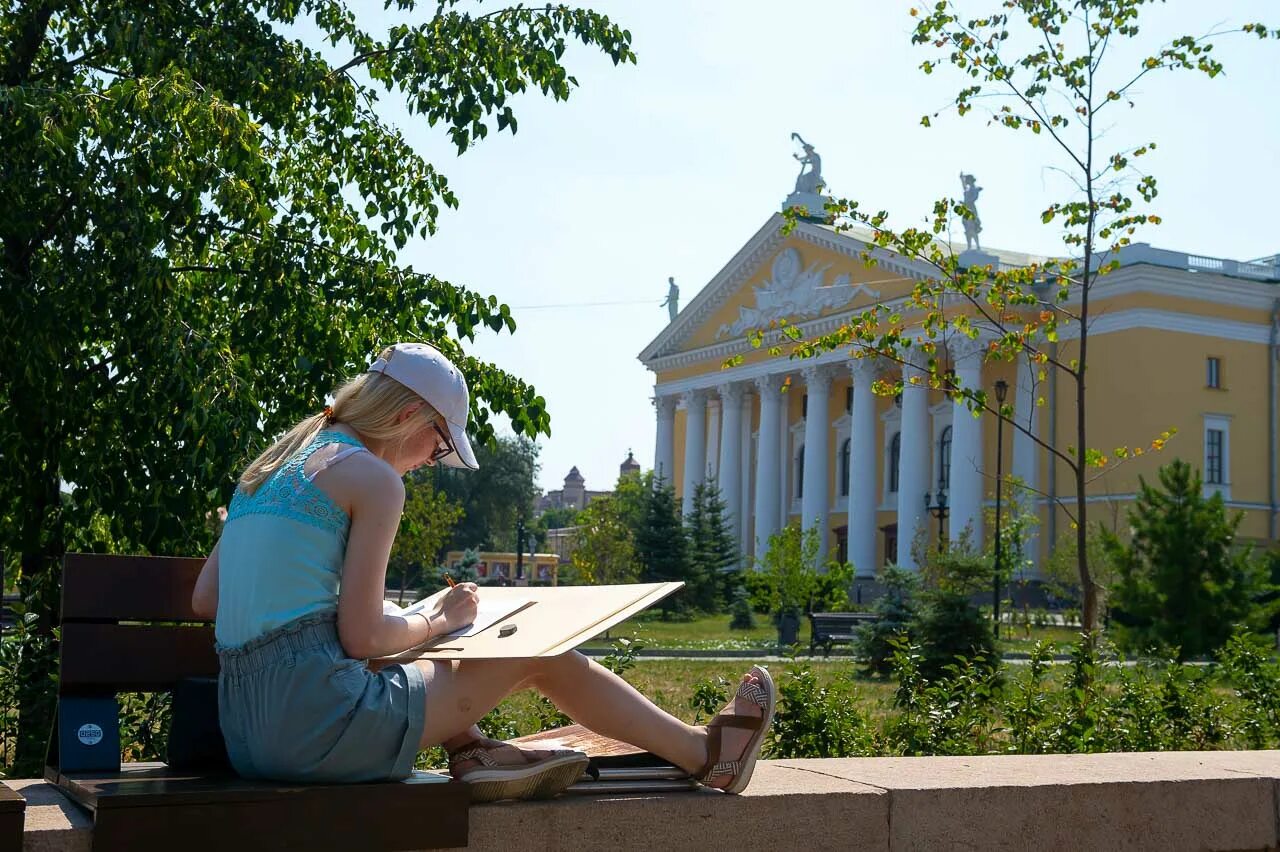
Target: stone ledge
{"x": 1165, "y": 800}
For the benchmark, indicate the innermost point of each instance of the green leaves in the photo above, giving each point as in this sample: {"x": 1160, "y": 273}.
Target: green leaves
{"x": 200, "y": 231}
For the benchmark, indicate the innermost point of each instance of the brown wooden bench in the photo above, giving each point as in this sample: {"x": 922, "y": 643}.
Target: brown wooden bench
{"x": 127, "y": 626}
{"x": 12, "y": 815}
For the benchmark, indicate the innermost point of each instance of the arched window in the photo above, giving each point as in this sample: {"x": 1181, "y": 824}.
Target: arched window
{"x": 844, "y": 468}
{"x": 800, "y": 474}
{"x": 895, "y": 450}
{"x": 944, "y": 459}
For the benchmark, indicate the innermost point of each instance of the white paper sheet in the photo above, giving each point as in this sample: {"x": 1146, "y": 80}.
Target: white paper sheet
{"x": 488, "y": 612}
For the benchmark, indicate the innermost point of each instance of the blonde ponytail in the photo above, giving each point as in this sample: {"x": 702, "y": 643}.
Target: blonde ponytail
{"x": 370, "y": 403}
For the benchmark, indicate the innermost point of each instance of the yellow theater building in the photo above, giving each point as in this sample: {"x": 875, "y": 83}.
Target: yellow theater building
{"x": 1176, "y": 340}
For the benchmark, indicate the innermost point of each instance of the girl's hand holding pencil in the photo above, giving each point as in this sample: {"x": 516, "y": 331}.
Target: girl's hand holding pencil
{"x": 459, "y": 605}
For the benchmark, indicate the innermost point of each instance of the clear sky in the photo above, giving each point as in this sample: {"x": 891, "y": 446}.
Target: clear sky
{"x": 667, "y": 167}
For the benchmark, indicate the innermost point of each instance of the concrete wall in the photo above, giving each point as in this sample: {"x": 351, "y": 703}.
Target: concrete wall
{"x": 1165, "y": 801}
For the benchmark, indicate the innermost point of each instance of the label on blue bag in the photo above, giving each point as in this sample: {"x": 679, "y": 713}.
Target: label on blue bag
{"x": 89, "y": 734}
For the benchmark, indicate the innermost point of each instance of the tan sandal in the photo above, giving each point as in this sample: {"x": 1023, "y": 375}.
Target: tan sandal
{"x": 536, "y": 779}
{"x": 765, "y": 696}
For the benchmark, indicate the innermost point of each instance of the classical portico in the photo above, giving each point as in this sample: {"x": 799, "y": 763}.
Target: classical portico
{"x": 859, "y": 472}
{"x": 808, "y": 440}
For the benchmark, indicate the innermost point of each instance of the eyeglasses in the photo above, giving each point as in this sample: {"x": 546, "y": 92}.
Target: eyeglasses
{"x": 445, "y": 447}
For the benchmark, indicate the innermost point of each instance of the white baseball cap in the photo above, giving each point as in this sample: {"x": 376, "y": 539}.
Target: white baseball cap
{"x": 424, "y": 370}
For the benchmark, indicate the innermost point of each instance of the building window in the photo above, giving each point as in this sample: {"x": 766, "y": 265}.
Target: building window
{"x": 848, "y": 400}
{"x": 895, "y": 450}
{"x": 1213, "y": 372}
{"x": 1217, "y": 456}
{"x": 944, "y": 459}
{"x": 800, "y": 474}
{"x": 844, "y": 468}
{"x": 804, "y": 406}
{"x": 1213, "y": 444}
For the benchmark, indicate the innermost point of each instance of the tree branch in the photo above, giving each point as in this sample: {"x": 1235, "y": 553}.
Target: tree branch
{"x": 26, "y": 45}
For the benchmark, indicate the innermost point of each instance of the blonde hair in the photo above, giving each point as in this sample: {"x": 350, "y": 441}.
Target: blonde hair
{"x": 370, "y": 403}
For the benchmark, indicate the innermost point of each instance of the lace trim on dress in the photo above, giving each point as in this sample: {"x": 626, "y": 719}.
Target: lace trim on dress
{"x": 288, "y": 493}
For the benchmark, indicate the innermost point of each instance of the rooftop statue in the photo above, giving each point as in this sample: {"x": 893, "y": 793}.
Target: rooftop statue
{"x": 972, "y": 224}
{"x": 673, "y": 299}
{"x": 808, "y": 181}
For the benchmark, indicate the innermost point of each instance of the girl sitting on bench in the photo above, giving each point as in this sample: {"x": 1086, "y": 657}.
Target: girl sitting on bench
{"x": 297, "y": 579}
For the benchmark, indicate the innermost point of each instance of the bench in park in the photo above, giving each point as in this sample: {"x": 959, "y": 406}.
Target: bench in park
{"x": 827, "y": 628}
{"x": 128, "y": 626}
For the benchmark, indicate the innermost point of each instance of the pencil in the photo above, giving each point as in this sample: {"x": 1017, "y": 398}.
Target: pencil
{"x": 449, "y": 580}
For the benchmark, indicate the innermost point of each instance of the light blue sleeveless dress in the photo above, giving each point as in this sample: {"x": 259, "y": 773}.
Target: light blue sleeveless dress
{"x": 292, "y": 705}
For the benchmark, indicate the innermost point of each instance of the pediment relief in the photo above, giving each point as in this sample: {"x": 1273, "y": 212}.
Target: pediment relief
{"x": 794, "y": 292}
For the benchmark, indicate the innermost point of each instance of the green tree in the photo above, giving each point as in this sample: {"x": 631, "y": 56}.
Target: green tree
{"x": 1183, "y": 583}
{"x": 1059, "y": 72}
{"x": 199, "y": 238}
{"x": 553, "y": 519}
{"x": 494, "y": 497}
{"x": 713, "y": 554}
{"x": 661, "y": 546}
{"x": 948, "y": 624}
{"x": 605, "y": 550}
{"x": 897, "y": 611}
{"x": 428, "y": 521}
{"x": 787, "y": 571}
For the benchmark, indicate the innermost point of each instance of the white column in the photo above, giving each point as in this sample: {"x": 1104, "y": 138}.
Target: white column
{"x": 730, "y": 474}
{"x": 965, "y": 495}
{"x": 664, "y": 453}
{"x": 914, "y": 457}
{"x": 862, "y": 469}
{"x": 815, "y": 502}
{"x": 713, "y": 439}
{"x": 769, "y": 389}
{"x": 695, "y": 445}
{"x": 1026, "y": 453}
{"x": 784, "y": 458}
{"x": 746, "y": 499}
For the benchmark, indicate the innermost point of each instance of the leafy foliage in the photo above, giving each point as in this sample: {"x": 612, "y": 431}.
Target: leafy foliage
{"x": 949, "y": 625}
{"x": 1183, "y": 585}
{"x": 494, "y": 497}
{"x": 897, "y": 609}
{"x": 425, "y": 526}
{"x": 787, "y": 580}
{"x": 605, "y": 548}
{"x": 199, "y": 244}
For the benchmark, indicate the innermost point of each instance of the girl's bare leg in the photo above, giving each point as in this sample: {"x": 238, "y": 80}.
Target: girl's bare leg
{"x": 459, "y": 693}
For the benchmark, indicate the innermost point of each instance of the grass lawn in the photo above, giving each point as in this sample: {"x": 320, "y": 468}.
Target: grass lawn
{"x": 670, "y": 684}
{"x": 711, "y": 633}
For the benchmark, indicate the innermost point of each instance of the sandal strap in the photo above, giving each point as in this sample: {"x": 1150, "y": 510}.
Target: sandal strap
{"x": 730, "y": 720}
{"x": 707, "y": 772}
{"x": 478, "y": 754}
{"x": 754, "y": 693}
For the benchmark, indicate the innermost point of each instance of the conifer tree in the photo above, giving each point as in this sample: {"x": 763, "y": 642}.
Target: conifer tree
{"x": 661, "y": 547}
{"x": 712, "y": 551}
{"x": 1182, "y": 583}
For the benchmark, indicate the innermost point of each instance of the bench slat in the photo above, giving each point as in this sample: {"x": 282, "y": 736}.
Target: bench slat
{"x": 12, "y": 816}
{"x": 168, "y": 808}
{"x": 105, "y": 587}
{"x": 100, "y": 658}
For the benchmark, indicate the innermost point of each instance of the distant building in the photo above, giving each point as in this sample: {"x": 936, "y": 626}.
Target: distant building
{"x": 501, "y": 567}
{"x": 574, "y": 494}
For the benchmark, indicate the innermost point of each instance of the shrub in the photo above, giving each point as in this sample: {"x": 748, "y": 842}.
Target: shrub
{"x": 897, "y": 611}
{"x": 819, "y": 721}
{"x": 743, "y": 617}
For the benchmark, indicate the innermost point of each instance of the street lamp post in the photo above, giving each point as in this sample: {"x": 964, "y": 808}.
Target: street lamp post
{"x": 1002, "y": 389}
{"x": 938, "y": 510}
